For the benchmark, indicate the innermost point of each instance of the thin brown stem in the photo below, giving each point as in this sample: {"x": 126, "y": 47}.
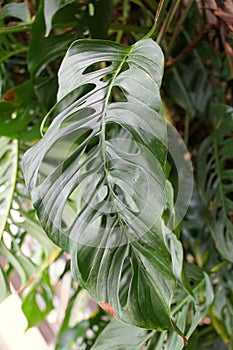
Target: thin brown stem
{"x": 168, "y": 20}
{"x": 179, "y": 27}
{"x": 160, "y": 8}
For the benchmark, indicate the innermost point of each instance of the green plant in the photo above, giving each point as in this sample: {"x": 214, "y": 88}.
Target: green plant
{"x": 111, "y": 181}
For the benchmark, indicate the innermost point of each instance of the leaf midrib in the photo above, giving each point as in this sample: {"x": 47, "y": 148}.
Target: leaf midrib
{"x": 103, "y": 124}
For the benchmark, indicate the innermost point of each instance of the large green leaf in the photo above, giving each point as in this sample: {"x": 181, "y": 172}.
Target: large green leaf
{"x": 115, "y": 184}
{"x": 118, "y": 335}
{"x": 215, "y": 179}
{"x": 8, "y": 173}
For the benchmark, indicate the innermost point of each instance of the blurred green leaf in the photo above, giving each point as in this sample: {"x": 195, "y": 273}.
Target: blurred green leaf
{"x": 15, "y": 10}
{"x": 99, "y": 21}
{"x": 9, "y": 47}
{"x": 20, "y": 112}
{"x": 8, "y": 173}
{"x": 186, "y": 312}
{"x": 215, "y": 180}
{"x": 222, "y": 310}
{"x": 79, "y": 328}
{"x": 38, "y": 301}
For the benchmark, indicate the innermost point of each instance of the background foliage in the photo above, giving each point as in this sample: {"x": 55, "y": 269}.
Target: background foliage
{"x": 196, "y": 39}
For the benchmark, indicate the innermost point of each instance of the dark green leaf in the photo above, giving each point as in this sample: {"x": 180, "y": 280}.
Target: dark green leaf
{"x": 99, "y": 21}
{"x": 43, "y": 50}
{"x": 21, "y": 114}
{"x": 9, "y": 47}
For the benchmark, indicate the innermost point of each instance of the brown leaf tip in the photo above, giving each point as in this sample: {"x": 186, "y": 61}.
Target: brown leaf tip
{"x": 186, "y": 343}
{"x": 9, "y": 96}
{"x": 108, "y": 308}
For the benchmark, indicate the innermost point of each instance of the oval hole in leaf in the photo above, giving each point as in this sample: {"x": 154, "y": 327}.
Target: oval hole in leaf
{"x": 118, "y": 95}
{"x": 77, "y": 115}
{"x": 96, "y": 66}
{"x": 124, "y": 67}
{"x": 67, "y": 102}
{"x": 40, "y": 302}
{"x": 106, "y": 77}
{"x": 61, "y": 153}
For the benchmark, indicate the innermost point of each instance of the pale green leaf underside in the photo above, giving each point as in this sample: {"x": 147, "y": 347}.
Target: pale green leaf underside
{"x": 118, "y": 335}
{"x": 8, "y": 173}
{"x": 97, "y": 177}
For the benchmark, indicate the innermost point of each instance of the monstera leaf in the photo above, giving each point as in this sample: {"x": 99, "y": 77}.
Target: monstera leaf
{"x": 97, "y": 178}
{"x": 216, "y": 184}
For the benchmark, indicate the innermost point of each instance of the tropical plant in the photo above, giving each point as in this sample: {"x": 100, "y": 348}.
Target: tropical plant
{"x": 116, "y": 159}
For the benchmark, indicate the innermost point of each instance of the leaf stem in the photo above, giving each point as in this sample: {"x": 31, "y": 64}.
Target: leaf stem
{"x": 188, "y": 297}
{"x": 168, "y": 20}
{"x": 13, "y": 53}
{"x": 160, "y": 8}
{"x": 178, "y": 27}
{"x": 186, "y": 127}
{"x": 219, "y": 266}
{"x": 16, "y": 29}
{"x": 103, "y": 125}
{"x": 128, "y": 28}
{"x": 124, "y": 20}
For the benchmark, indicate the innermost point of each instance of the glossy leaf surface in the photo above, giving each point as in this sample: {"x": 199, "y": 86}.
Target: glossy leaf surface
{"x": 111, "y": 183}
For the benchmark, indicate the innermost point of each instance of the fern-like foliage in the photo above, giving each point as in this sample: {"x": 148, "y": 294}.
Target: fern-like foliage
{"x": 215, "y": 179}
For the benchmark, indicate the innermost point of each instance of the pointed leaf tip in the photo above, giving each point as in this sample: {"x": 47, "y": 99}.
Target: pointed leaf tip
{"x": 108, "y": 308}
{"x": 186, "y": 343}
